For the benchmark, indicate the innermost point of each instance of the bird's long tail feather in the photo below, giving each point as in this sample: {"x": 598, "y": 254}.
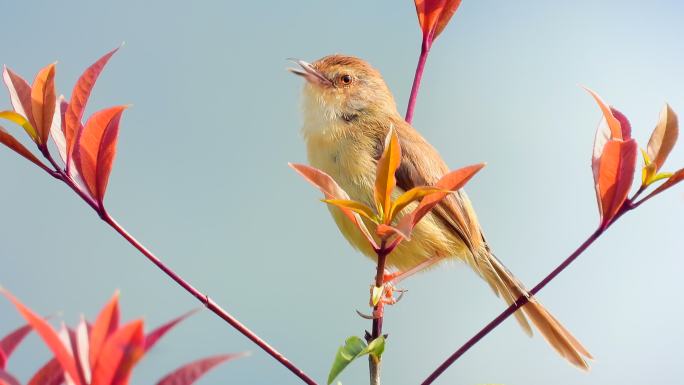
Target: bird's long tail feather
{"x": 505, "y": 284}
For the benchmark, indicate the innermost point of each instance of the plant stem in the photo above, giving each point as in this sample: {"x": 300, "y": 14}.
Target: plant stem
{"x": 520, "y": 302}
{"x": 203, "y": 298}
{"x": 378, "y": 310}
{"x": 424, "y": 50}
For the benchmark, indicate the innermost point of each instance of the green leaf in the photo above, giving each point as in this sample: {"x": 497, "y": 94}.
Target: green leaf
{"x": 354, "y": 347}
{"x": 376, "y": 347}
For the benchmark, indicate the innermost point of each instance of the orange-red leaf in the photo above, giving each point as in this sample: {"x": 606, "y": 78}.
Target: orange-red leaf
{"x": 8, "y": 379}
{"x": 409, "y": 196}
{"x": 49, "y": 336}
{"x": 434, "y": 15}
{"x": 385, "y": 179}
{"x": 106, "y": 155}
{"x": 189, "y": 373}
{"x": 105, "y": 325}
{"x": 354, "y": 206}
{"x": 122, "y": 350}
{"x": 615, "y": 176}
{"x": 79, "y": 99}
{"x": 153, "y": 337}
{"x": 43, "y": 100}
{"x": 612, "y": 121}
{"x": 663, "y": 138}
{"x": 20, "y": 94}
{"x": 11, "y": 341}
{"x": 452, "y": 181}
{"x": 384, "y": 231}
{"x": 49, "y": 374}
{"x": 9, "y": 141}
{"x": 95, "y": 147}
{"x": 331, "y": 190}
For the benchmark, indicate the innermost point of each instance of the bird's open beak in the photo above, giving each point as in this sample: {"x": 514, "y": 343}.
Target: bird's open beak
{"x": 309, "y": 73}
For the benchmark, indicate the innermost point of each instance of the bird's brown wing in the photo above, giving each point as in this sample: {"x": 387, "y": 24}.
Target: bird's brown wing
{"x": 422, "y": 165}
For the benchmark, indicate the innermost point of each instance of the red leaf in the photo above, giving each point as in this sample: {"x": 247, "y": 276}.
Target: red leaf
{"x": 332, "y": 190}
{"x": 625, "y": 126}
{"x": 9, "y": 141}
{"x": 434, "y": 15}
{"x": 106, "y": 155}
{"x": 7, "y": 379}
{"x": 49, "y": 374}
{"x": 153, "y": 337}
{"x": 188, "y": 374}
{"x": 98, "y": 134}
{"x": 615, "y": 176}
{"x": 11, "y": 341}
{"x": 43, "y": 100}
{"x": 79, "y": 99}
{"x": 49, "y": 336}
{"x": 120, "y": 353}
{"x": 612, "y": 121}
{"x": 105, "y": 325}
{"x": 452, "y": 181}
{"x": 20, "y": 94}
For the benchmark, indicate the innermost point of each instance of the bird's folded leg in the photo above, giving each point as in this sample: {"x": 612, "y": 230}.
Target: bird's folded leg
{"x": 384, "y": 295}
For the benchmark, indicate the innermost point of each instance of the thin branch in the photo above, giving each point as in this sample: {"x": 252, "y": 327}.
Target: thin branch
{"x": 378, "y": 310}
{"x": 203, "y": 298}
{"x": 424, "y": 51}
{"x": 521, "y": 301}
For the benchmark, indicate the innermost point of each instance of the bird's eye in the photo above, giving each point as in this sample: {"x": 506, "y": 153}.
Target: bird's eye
{"x": 345, "y": 79}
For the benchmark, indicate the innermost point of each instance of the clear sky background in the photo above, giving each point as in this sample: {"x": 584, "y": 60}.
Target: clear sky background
{"x": 202, "y": 179}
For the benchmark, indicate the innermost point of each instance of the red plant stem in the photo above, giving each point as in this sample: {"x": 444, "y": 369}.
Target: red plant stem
{"x": 378, "y": 309}
{"x": 424, "y": 51}
{"x": 520, "y": 302}
{"x": 203, "y": 298}
{"x": 206, "y": 301}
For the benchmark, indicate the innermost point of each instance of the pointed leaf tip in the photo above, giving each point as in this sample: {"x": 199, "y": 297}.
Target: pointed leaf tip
{"x": 20, "y": 93}
{"x": 331, "y": 190}
{"x": 663, "y": 138}
{"x": 612, "y": 121}
{"x": 79, "y": 99}
{"x": 154, "y": 336}
{"x": 106, "y": 323}
{"x": 95, "y": 149}
{"x": 189, "y": 373}
{"x": 385, "y": 178}
{"x": 434, "y": 15}
{"x": 43, "y": 99}
{"x": 10, "y": 342}
{"x": 49, "y": 336}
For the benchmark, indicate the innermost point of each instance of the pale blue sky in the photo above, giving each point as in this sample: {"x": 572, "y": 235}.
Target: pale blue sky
{"x": 202, "y": 179}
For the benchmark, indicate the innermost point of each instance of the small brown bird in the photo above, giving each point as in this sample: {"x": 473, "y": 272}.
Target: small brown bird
{"x": 348, "y": 111}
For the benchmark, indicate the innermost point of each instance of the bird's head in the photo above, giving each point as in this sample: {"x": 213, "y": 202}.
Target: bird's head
{"x": 344, "y": 88}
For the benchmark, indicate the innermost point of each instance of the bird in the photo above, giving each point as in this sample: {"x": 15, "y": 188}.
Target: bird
{"x": 348, "y": 111}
